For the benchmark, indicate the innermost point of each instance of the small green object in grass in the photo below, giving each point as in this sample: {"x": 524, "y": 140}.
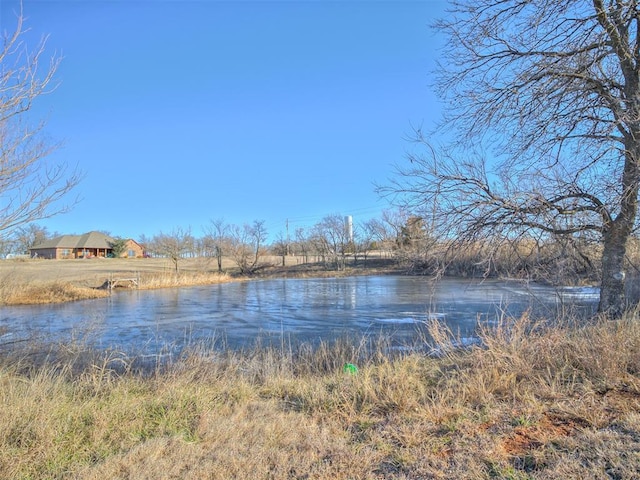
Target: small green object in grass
{"x": 350, "y": 368}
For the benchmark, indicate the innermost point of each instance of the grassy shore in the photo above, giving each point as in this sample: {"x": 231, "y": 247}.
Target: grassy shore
{"x": 34, "y": 293}
{"x": 530, "y": 402}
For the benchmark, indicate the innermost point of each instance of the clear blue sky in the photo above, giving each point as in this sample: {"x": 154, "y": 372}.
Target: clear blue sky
{"x": 179, "y": 112}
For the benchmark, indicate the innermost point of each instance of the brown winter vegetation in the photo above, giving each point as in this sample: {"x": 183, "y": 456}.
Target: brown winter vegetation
{"x": 530, "y": 402}
{"x": 16, "y": 292}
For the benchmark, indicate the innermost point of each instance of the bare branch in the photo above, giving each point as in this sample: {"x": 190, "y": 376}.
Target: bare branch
{"x": 30, "y": 186}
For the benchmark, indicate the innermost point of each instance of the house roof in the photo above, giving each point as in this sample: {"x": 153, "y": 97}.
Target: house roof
{"x": 136, "y": 243}
{"x": 87, "y": 240}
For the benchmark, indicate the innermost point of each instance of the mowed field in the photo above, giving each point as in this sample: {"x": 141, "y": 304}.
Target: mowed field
{"x": 94, "y": 272}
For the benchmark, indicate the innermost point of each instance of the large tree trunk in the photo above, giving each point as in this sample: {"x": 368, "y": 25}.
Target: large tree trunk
{"x": 616, "y": 233}
{"x": 612, "y": 298}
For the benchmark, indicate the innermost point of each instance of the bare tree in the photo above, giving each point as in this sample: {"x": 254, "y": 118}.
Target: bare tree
{"x": 364, "y": 239}
{"x": 191, "y": 245}
{"x": 390, "y": 228}
{"x": 281, "y": 247}
{"x": 174, "y": 245}
{"x": 29, "y": 235}
{"x": 332, "y": 239}
{"x": 7, "y": 246}
{"x": 247, "y": 245}
{"x": 217, "y": 239}
{"x": 302, "y": 244}
{"x": 551, "y": 90}
{"x": 146, "y": 243}
{"x": 30, "y": 186}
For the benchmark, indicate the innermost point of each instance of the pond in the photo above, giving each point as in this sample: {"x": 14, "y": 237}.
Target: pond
{"x": 237, "y": 315}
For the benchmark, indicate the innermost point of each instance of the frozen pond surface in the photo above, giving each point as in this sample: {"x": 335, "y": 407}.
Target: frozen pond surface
{"x": 235, "y": 315}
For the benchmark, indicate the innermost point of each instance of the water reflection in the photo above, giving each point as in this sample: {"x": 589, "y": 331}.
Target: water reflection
{"x": 293, "y": 309}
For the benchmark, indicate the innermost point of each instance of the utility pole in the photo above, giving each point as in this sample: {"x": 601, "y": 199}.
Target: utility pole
{"x": 287, "y": 224}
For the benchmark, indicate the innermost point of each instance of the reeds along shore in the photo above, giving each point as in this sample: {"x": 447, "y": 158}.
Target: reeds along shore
{"x": 16, "y": 292}
{"x": 531, "y": 401}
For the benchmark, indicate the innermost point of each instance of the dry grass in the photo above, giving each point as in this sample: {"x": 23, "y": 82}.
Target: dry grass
{"x": 533, "y": 402}
{"x": 55, "y": 281}
{"x": 183, "y": 279}
{"x": 94, "y": 272}
{"x": 17, "y": 293}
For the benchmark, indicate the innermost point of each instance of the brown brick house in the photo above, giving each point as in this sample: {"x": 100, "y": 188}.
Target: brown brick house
{"x": 88, "y": 245}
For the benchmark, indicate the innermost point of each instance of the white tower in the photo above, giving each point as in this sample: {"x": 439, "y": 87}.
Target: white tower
{"x": 348, "y": 227}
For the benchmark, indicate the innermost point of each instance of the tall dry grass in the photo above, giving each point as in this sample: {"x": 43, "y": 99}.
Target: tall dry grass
{"x": 182, "y": 279}
{"x": 558, "y": 263}
{"x": 531, "y": 401}
{"x": 16, "y": 291}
